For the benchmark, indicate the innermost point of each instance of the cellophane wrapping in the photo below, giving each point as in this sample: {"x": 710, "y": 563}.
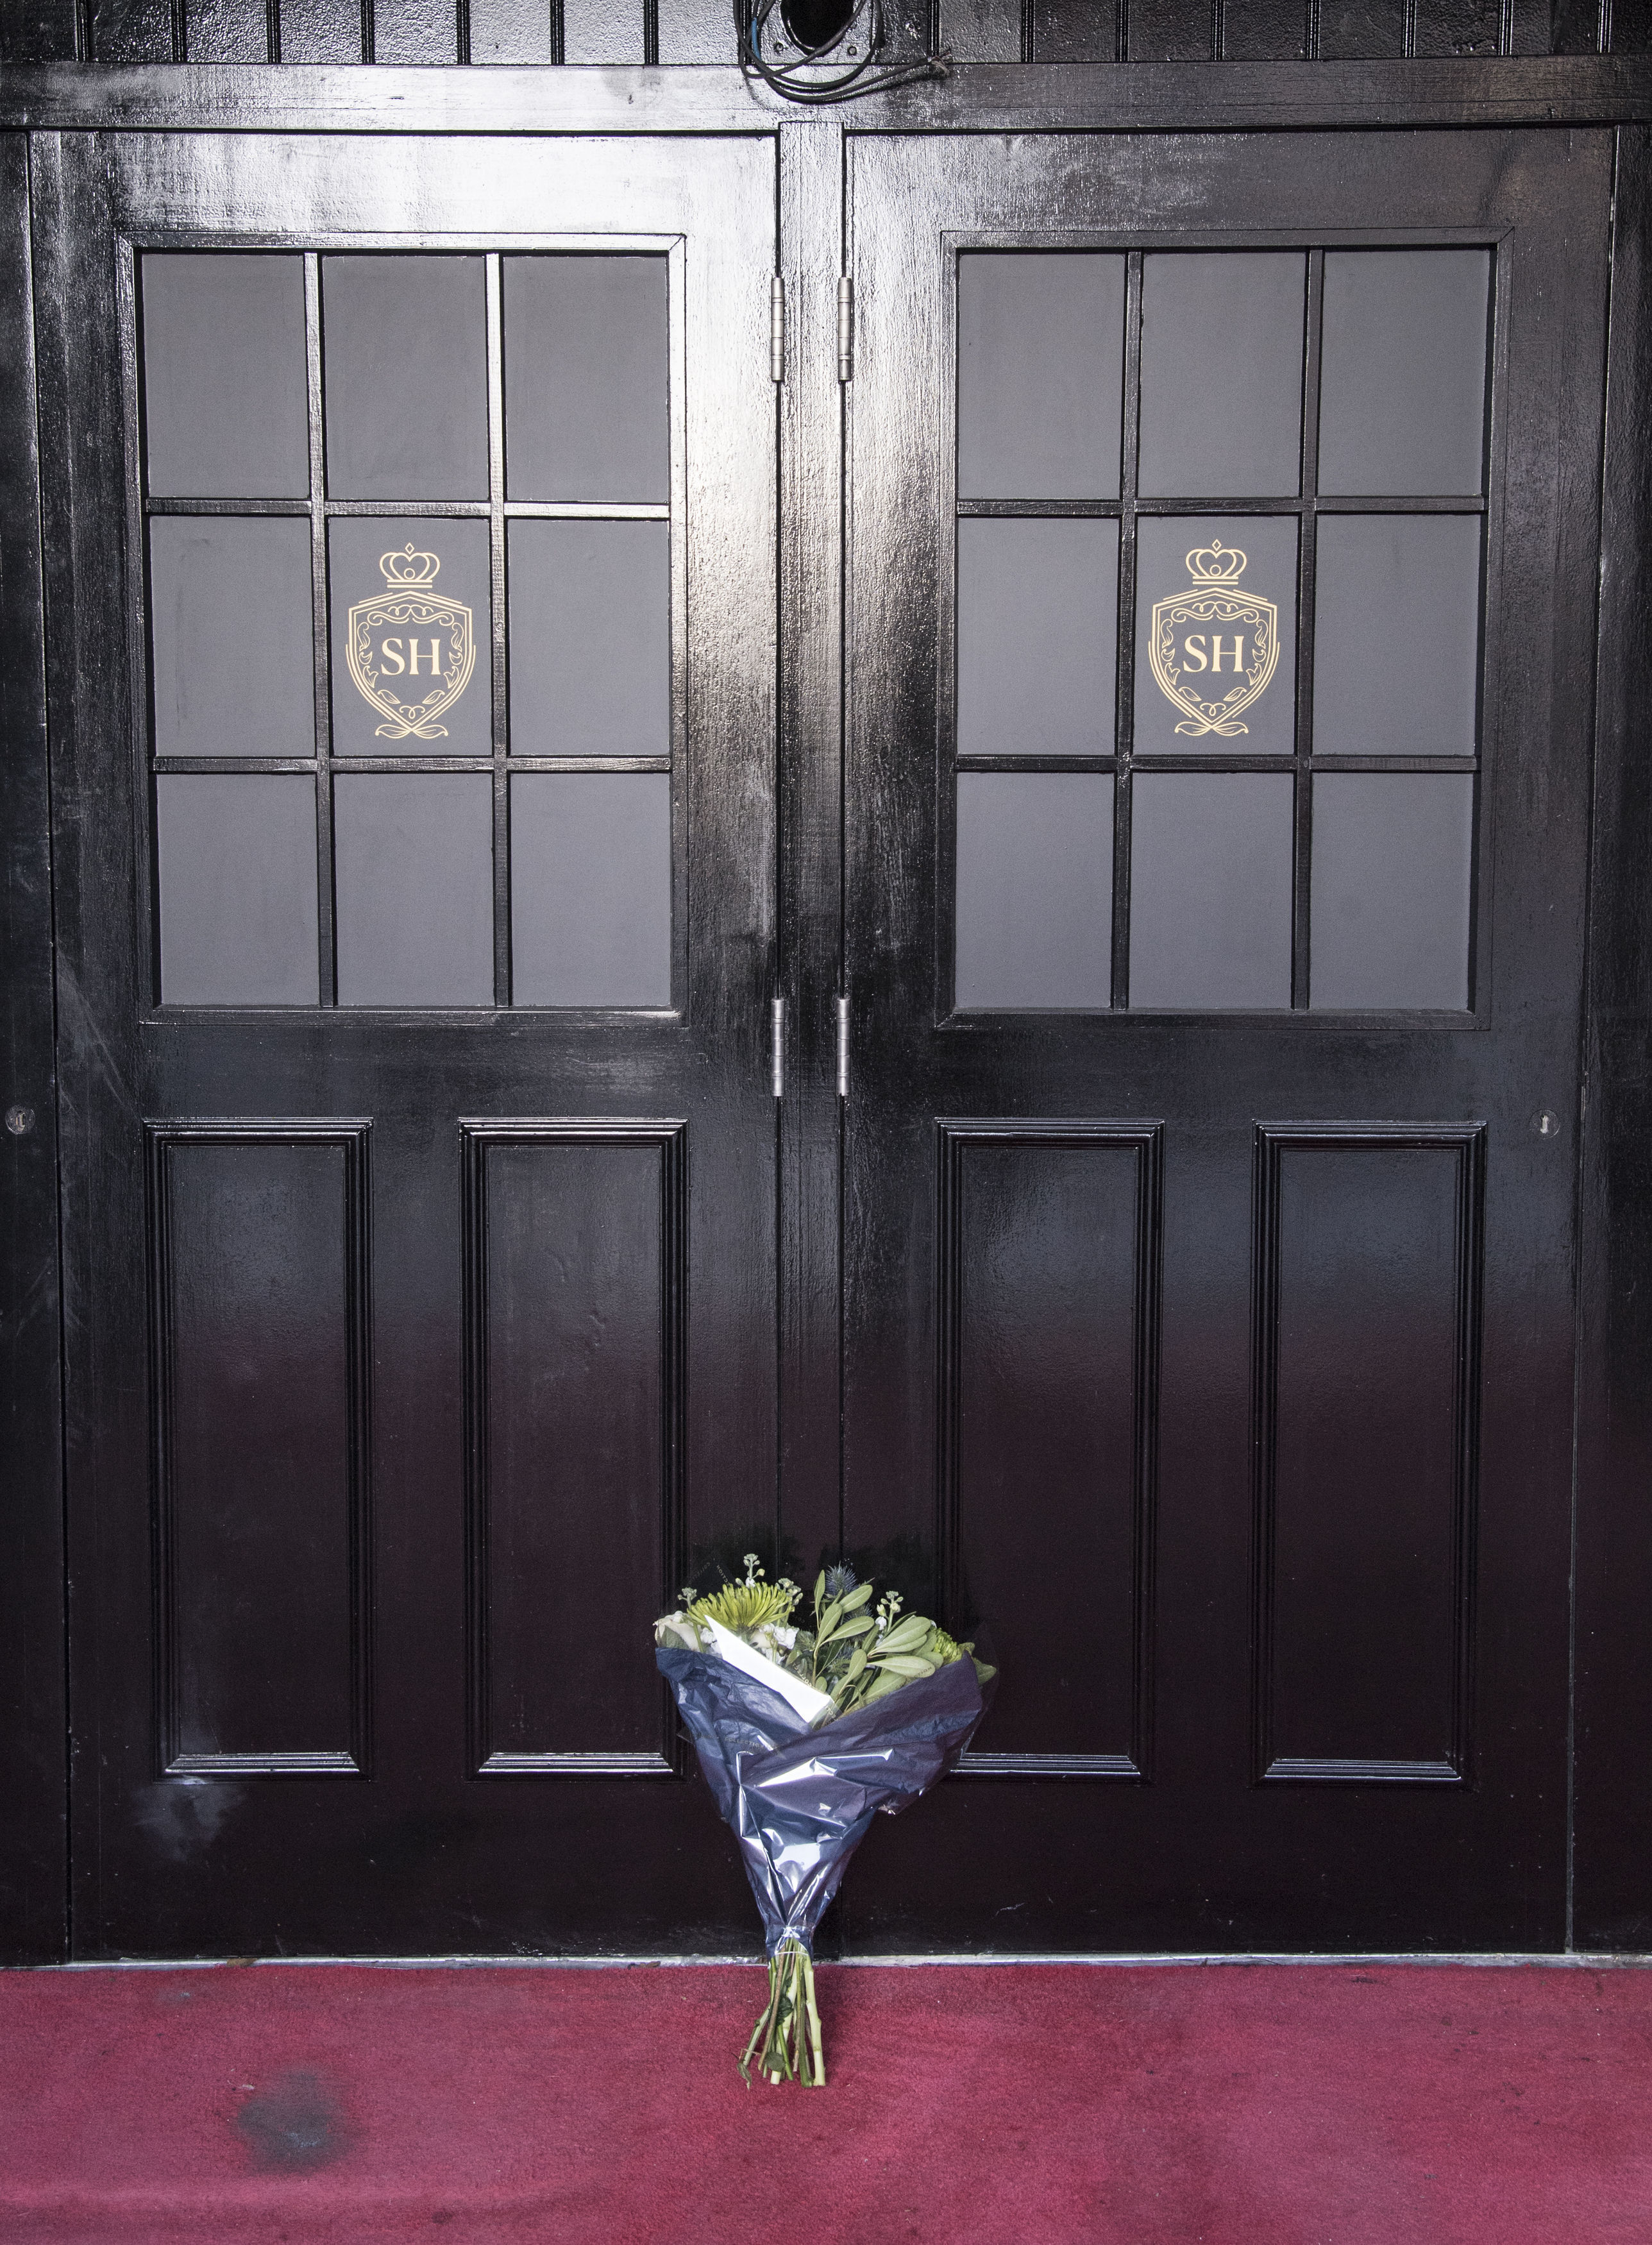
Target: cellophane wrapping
{"x": 800, "y": 1801}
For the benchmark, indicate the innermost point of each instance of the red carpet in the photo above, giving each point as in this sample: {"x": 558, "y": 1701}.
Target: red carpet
{"x": 1027, "y": 2105}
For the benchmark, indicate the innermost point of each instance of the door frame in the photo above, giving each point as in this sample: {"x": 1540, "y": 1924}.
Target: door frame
{"x": 1609, "y": 1894}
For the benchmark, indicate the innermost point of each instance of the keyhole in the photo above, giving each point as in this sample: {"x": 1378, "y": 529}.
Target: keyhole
{"x": 815, "y": 24}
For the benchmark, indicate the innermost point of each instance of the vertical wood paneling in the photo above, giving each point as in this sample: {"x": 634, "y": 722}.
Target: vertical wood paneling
{"x": 514, "y": 31}
{"x": 1362, "y": 31}
{"x": 1172, "y": 30}
{"x": 1264, "y": 30}
{"x": 33, "y": 1853}
{"x": 226, "y": 31}
{"x": 1050, "y": 1253}
{"x": 321, "y": 30}
{"x": 415, "y": 31}
{"x": 1075, "y": 32}
{"x": 1367, "y": 1345}
{"x": 257, "y": 1264}
{"x": 1631, "y": 27}
{"x": 38, "y": 31}
{"x": 1613, "y": 1895}
{"x": 699, "y": 32}
{"x": 1458, "y": 27}
{"x": 603, "y": 31}
{"x": 133, "y": 31}
{"x": 982, "y": 30}
{"x": 694, "y": 31}
{"x": 574, "y": 1259}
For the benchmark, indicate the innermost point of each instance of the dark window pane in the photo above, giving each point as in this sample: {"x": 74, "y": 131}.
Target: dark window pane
{"x": 406, "y": 593}
{"x": 1040, "y": 373}
{"x": 237, "y": 869}
{"x": 1210, "y": 855}
{"x": 225, "y": 389}
{"x": 1037, "y": 636}
{"x": 591, "y": 889}
{"x": 1392, "y": 879}
{"x": 1034, "y": 890}
{"x": 589, "y": 638}
{"x": 1403, "y": 376}
{"x": 414, "y": 885}
{"x": 1216, "y": 602}
{"x": 585, "y": 379}
{"x": 230, "y": 625}
{"x": 1221, "y": 374}
{"x": 406, "y": 378}
{"x": 1397, "y": 634}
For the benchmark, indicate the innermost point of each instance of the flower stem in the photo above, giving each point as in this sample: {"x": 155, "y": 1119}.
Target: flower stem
{"x": 787, "y": 2037}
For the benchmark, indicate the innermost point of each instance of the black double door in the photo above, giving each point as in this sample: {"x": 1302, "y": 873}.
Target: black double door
{"x": 1192, "y": 1167}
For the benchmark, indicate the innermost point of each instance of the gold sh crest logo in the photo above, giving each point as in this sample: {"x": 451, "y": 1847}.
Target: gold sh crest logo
{"x": 1215, "y": 631}
{"x": 405, "y": 636}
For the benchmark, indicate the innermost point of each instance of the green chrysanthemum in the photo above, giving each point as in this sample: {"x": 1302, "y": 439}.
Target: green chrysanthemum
{"x": 749, "y": 1605}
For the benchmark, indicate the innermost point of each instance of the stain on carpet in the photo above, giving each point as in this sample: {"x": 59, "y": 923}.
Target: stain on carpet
{"x": 295, "y": 2126}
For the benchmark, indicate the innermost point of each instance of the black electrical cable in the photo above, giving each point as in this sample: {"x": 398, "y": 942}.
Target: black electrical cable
{"x": 752, "y": 20}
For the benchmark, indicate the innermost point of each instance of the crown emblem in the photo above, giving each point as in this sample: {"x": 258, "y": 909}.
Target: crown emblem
{"x": 410, "y": 649}
{"x": 1215, "y": 563}
{"x": 405, "y": 570}
{"x": 1214, "y": 647}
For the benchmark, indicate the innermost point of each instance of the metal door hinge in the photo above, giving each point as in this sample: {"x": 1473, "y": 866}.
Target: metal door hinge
{"x": 777, "y": 1048}
{"x": 777, "y": 328}
{"x": 842, "y": 1048}
{"x": 845, "y": 329}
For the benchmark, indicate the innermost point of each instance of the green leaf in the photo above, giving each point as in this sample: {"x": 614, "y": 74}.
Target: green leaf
{"x": 907, "y": 1635}
{"x": 858, "y": 1598}
{"x": 858, "y": 1627}
{"x": 903, "y": 1664}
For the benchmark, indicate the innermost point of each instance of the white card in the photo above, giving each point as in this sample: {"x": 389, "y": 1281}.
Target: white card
{"x": 809, "y": 1702}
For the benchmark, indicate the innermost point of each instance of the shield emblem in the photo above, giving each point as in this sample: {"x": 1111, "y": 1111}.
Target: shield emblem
{"x": 1215, "y": 629}
{"x": 405, "y": 636}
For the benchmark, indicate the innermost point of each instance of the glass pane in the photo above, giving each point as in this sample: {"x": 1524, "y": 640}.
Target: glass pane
{"x": 1041, "y": 374}
{"x": 1216, "y": 635}
{"x": 406, "y": 377}
{"x": 237, "y": 874}
{"x": 1222, "y": 340}
{"x": 1210, "y": 859}
{"x": 414, "y": 888}
{"x": 591, "y": 889}
{"x": 1397, "y": 634}
{"x": 585, "y": 379}
{"x": 1392, "y": 881}
{"x": 230, "y": 630}
{"x": 590, "y": 638}
{"x": 412, "y": 644}
{"x": 1402, "y": 383}
{"x": 1037, "y": 635}
{"x": 225, "y": 394}
{"x": 1034, "y": 890}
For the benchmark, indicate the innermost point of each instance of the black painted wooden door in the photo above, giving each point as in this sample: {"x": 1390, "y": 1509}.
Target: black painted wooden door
{"x": 1219, "y": 611}
{"x": 411, "y": 612}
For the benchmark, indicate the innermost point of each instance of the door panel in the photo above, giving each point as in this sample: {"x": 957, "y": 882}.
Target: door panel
{"x": 412, "y": 601}
{"x": 1221, "y": 514}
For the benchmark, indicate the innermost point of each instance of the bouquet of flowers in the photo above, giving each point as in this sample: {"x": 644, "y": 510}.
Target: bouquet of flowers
{"x": 803, "y": 1735}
